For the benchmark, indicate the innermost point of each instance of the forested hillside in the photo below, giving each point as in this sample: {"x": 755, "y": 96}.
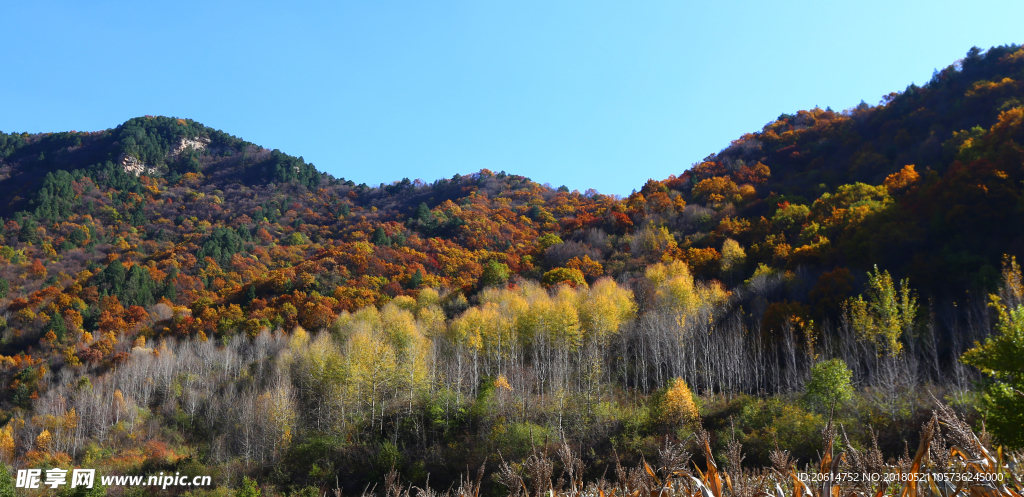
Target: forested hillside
{"x": 174, "y": 298}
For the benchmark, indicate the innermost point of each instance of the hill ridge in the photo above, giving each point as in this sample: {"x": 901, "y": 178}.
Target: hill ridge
{"x": 817, "y": 188}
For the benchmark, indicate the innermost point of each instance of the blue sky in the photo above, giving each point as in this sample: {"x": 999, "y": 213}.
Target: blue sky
{"x": 588, "y": 94}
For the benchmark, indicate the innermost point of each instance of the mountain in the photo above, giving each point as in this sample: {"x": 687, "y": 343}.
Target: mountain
{"x": 163, "y": 228}
{"x": 927, "y": 185}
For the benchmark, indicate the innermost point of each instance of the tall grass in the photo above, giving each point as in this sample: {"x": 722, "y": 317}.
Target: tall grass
{"x": 950, "y": 460}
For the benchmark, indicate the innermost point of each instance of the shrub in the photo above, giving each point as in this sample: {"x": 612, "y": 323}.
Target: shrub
{"x": 248, "y": 489}
{"x": 1000, "y": 359}
{"x": 829, "y": 385}
{"x": 678, "y": 405}
{"x": 6, "y": 482}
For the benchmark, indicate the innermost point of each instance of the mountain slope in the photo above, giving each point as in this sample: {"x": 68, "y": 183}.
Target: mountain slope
{"x": 157, "y": 280}
{"x": 927, "y": 185}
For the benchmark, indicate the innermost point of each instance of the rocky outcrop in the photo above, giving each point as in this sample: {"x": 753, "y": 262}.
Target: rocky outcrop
{"x": 136, "y": 166}
{"x": 133, "y": 165}
{"x": 193, "y": 143}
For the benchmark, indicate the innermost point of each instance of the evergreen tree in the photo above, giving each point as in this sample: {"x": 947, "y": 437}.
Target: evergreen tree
{"x": 416, "y": 279}
{"x": 380, "y": 238}
{"x": 57, "y": 326}
{"x": 132, "y": 287}
{"x": 221, "y": 245}
{"x": 54, "y": 200}
{"x": 250, "y": 295}
{"x": 27, "y": 234}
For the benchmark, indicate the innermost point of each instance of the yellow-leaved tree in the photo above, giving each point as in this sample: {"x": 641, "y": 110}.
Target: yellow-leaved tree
{"x": 7, "y": 443}
{"x": 733, "y": 259}
{"x": 678, "y": 293}
{"x": 372, "y": 364}
{"x": 603, "y": 308}
{"x": 411, "y": 350}
{"x": 678, "y": 405}
{"x": 886, "y": 315}
{"x": 320, "y": 373}
{"x": 429, "y": 313}
{"x": 562, "y": 320}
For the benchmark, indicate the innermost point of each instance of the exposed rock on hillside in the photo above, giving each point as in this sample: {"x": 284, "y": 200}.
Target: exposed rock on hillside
{"x": 186, "y": 143}
{"x": 133, "y": 165}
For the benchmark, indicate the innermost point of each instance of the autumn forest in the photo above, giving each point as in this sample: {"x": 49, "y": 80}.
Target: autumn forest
{"x": 836, "y": 292}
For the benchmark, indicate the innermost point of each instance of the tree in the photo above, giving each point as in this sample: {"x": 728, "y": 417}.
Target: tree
{"x": 423, "y": 212}
{"x": 715, "y": 189}
{"x": 677, "y": 292}
{"x": 6, "y": 482}
{"x": 999, "y": 358}
{"x": 495, "y": 273}
{"x": 733, "y": 257}
{"x": 886, "y": 315}
{"x": 790, "y": 217}
{"x": 54, "y": 198}
{"x": 132, "y": 287}
{"x": 586, "y": 265}
{"x": 561, "y": 321}
{"x": 380, "y": 238}
{"x": 283, "y": 168}
{"x": 222, "y": 244}
{"x": 548, "y": 239}
{"x": 678, "y": 405}
{"x": 250, "y": 295}
{"x": 37, "y": 270}
{"x": 57, "y": 326}
{"x": 98, "y": 490}
{"x": 570, "y": 276}
{"x": 318, "y": 372}
{"x": 416, "y": 279}
{"x": 900, "y": 180}
{"x": 277, "y": 413}
{"x": 829, "y": 385}
{"x": 27, "y": 234}
{"x": 604, "y": 308}
{"x": 294, "y": 239}
{"x": 373, "y": 365}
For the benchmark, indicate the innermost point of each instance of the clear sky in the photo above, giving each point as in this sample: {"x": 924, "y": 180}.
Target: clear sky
{"x": 588, "y": 94}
